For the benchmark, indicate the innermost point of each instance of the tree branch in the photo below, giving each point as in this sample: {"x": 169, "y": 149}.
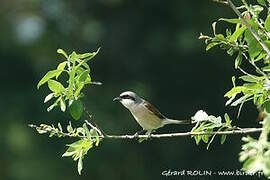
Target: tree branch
{"x": 244, "y": 21}
{"x": 168, "y": 135}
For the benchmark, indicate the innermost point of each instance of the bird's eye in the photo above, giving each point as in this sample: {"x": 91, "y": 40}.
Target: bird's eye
{"x": 127, "y": 97}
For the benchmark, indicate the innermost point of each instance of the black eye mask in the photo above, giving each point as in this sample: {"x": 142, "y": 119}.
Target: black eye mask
{"x": 127, "y": 97}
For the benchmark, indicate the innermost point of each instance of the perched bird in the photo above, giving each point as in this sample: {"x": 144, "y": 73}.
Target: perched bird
{"x": 146, "y": 115}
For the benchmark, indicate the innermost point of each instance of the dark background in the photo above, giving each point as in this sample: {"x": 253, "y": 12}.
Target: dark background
{"x": 150, "y": 47}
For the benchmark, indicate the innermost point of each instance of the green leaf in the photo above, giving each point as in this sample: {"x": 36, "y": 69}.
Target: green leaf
{"x": 76, "y": 109}
{"x": 60, "y": 127}
{"x": 48, "y": 76}
{"x": 256, "y": 9}
{"x": 237, "y": 33}
{"x": 197, "y": 138}
{"x": 233, "y": 21}
{"x": 227, "y": 120}
{"x": 220, "y": 37}
{"x": 61, "y": 51}
{"x": 250, "y": 78}
{"x": 241, "y": 100}
{"x": 234, "y": 91}
{"x": 69, "y": 128}
{"x": 262, "y": 2}
{"x": 80, "y": 163}
{"x": 252, "y": 164}
{"x": 266, "y": 106}
{"x": 210, "y": 45}
{"x": 48, "y": 97}
{"x": 85, "y": 55}
{"x": 205, "y": 138}
{"x": 261, "y": 56}
{"x": 55, "y": 86}
{"x": 267, "y": 23}
{"x": 83, "y": 76}
{"x": 238, "y": 60}
{"x": 223, "y": 138}
{"x": 80, "y": 85}
{"x": 254, "y": 48}
{"x": 266, "y": 68}
{"x": 51, "y": 107}
{"x": 61, "y": 67}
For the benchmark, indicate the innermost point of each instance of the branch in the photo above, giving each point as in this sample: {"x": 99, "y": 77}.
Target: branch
{"x": 169, "y": 135}
{"x": 244, "y": 21}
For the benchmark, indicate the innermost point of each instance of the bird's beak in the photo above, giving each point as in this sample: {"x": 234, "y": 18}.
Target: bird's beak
{"x": 117, "y": 99}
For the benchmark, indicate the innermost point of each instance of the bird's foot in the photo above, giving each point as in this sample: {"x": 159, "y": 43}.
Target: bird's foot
{"x": 148, "y": 136}
{"x": 136, "y": 135}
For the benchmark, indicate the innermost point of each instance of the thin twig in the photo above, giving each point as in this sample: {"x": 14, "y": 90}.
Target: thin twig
{"x": 95, "y": 126}
{"x": 221, "y": 1}
{"x": 246, "y": 73}
{"x": 62, "y": 133}
{"x": 170, "y": 135}
{"x": 255, "y": 66}
{"x": 244, "y": 21}
{"x": 253, "y": 32}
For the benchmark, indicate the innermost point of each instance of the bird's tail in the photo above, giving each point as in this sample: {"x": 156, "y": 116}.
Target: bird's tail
{"x": 173, "y": 121}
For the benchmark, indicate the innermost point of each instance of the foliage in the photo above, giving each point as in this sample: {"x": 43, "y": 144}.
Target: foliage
{"x": 69, "y": 96}
{"x": 249, "y": 43}
{"x": 211, "y": 124}
{"x": 78, "y": 72}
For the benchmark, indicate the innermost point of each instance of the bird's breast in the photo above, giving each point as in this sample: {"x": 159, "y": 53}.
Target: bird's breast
{"x": 146, "y": 119}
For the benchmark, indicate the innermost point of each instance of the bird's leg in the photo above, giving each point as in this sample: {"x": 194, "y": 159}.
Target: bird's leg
{"x": 139, "y": 132}
{"x": 148, "y": 133}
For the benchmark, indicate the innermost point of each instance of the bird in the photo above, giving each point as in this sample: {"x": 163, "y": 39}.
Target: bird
{"x": 146, "y": 115}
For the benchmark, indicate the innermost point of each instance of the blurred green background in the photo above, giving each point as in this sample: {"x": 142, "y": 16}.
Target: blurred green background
{"x": 150, "y": 47}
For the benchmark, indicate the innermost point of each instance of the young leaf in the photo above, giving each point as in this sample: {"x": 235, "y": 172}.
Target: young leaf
{"x": 262, "y": 2}
{"x": 267, "y": 23}
{"x": 76, "y": 109}
{"x": 80, "y": 163}
{"x": 205, "y": 138}
{"x": 48, "y": 76}
{"x": 48, "y": 97}
{"x": 223, "y": 138}
{"x": 83, "y": 76}
{"x": 51, "y": 107}
{"x": 61, "y": 51}
{"x": 210, "y": 45}
{"x": 62, "y": 105}
{"x": 241, "y": 100}
{"x": 55, "y": 86}
{"x": 227, "y": 120}
{"x": 237, "y": 33}
{"x": 61, "y": 67}
{"x": 254, "y": 48}
{"x": 250, "y": 78}
{"x": 197, "y": 139}
{"x": 238, "y": 60}
{"x": 234, "y": 91}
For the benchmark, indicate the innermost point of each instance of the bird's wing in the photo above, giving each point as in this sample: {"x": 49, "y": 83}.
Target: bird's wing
{"x": 153, "y": 110}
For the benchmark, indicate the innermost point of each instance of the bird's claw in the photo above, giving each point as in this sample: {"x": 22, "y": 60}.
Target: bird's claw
{"x": 136, "y": 135}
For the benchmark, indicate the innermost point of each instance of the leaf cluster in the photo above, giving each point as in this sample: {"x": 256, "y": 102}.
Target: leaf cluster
{"x": 78, "y": 71}
{"x": 211, "y": 124}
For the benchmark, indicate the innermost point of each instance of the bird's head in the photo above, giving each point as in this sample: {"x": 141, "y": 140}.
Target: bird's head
{"x": 128, "y": 99}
